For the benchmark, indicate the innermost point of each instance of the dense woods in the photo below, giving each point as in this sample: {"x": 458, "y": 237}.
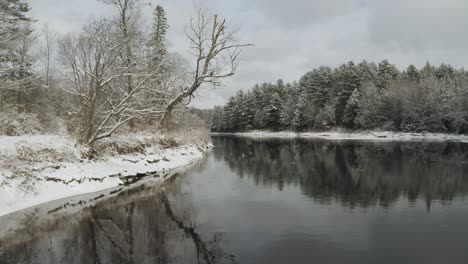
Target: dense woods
{"x": 363, "y": 96}
{"x": 112, "y": 76}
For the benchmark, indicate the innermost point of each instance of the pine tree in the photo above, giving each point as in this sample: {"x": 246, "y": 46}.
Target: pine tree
{"x": 318, "y": 84}
{"x": 351, "y": 110}
{"x": 273, "y": 112}
{"x": 444, "y": 71}
{"x": 248, "y": 112}
{"x": 348, "y": 79}
{"x": 15, "y": 29}
{"x": 157, "y": 45}
{"x": 385, "y": 73}
{"x": 291, "y": 98}
{"x": 230, "y": 123}
{"x": 16, "y": 63}
{"x": 217, "y": 119}
{"x": 298, "y": 122}
{"x": 427, "y": 71}
{"x": 367, "y": 71}
{"x": 412, "y": 73}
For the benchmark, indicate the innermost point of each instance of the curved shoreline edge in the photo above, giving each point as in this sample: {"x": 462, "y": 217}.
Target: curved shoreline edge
{"x": 70, "y": 180}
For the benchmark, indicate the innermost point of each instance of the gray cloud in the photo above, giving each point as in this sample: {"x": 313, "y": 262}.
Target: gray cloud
{"x": 291, "y": 37}
{"x": 419, "y": 24}
{"x": 295, "y": 14}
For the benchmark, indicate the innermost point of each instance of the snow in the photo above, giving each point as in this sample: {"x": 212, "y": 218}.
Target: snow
{"x": 50, "y": 180}
{"x": 373, "y": 136}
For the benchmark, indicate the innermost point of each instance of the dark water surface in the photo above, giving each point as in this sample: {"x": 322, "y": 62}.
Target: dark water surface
{"x": 272, "y": 201}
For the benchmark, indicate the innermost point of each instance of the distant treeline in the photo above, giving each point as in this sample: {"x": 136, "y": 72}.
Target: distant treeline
{"x": 364, "y": 96}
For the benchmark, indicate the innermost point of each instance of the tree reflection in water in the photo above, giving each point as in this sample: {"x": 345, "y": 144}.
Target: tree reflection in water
{"x": 150, "y": 224}
{"x": 137, "y": 226}
{"x": 361, "y": 174}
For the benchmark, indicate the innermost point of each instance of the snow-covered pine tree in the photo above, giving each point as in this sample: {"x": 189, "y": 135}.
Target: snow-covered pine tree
{"x": 348, "y": 78}
{"x": 444, "y": 71}
{"x": 385, "y": 73}
{"x": 248, "y": 112}
{"x": 298, "y": 122}
{"x": 367, "y": 71}
{"x": 352, "y": 108}
{"x": 261, "y": 99}
{"x": 229, "y": 122}
{"x": 427, "y": 71}
{"x": 412, "y": 73}
{"x": 15, "y": 45}
{"x": 157, "y": 43}
{"x": 318, "y": 84}
{"x": 13, "y": 21}
{"x": 292, "y": 92}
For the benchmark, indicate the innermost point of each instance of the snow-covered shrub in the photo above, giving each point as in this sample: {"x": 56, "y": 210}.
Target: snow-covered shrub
{"x": 13, "y": 123}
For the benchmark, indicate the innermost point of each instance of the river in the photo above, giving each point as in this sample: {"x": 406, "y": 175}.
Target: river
{"x": 269, "y": 201}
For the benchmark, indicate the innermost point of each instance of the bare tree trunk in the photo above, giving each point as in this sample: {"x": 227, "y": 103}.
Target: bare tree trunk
{"x": 212, "y": 43}
{"x": 128, "y": 52}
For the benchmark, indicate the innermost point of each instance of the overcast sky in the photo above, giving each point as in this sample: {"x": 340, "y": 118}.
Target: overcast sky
{"x": 292, "y": 37}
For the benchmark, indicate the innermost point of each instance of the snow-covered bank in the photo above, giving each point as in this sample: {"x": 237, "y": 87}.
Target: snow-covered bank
{"x": 40, "y": 169}
{"x": 375, "y": 136}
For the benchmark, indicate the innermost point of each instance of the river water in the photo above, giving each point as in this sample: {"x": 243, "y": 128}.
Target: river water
{"x": 271, "y": 201}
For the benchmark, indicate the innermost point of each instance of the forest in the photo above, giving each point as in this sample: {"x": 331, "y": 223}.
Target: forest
{"x": 114, "y": 76}
{"x": 354, "y": 97}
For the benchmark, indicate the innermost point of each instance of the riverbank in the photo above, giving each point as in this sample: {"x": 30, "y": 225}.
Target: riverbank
{"x": 373, "y": 136}
{"x": 40, "y": 169}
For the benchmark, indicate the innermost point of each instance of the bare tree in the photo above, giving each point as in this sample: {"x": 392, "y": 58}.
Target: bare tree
{"x": 90, "y": 59}
{"x": 95, "y": 75}
{"x": 127, "y": 22}
{"x": 217, "y": 55}
{"x": 47, "y": 52}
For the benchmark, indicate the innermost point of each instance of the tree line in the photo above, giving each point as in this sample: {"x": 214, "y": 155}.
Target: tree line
{"x": 111, "y": 76}
{"x": 362, "y": 96}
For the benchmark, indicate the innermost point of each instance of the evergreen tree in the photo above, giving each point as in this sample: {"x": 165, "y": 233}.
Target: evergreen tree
{"x": 230, "y": 121}
{"x": 412, "y": 73}
{"x": 15, "y": 30}
{"x": 351, "y": 110}
{"x": 427, "y": 71}
{"x": 290, "y": 103}
{"x": 273, "y": 111}
{"x": 385, "y": 73}
{"x": 348, "y": 79}
{"x": 298, "y": 122}
{"x": 248, "y": 112}
{"x": 217, "y": 119}
{"x": 367, "y": 71}
{"x": 157, "y": 45}
{"x": 444, "y": 71}
{"x": 16, "y": 63}
{"x": 318, "y": 84}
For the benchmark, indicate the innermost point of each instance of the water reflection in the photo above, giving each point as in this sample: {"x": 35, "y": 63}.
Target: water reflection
{"x": 146, "y": 224}
{"x": 268, "y": 201}
{"x": 355, "y": 173}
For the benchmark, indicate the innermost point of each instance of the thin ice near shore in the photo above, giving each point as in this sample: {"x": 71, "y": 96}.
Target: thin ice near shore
{"x": 52, "y": 181}
{"x": 374, "y": 136}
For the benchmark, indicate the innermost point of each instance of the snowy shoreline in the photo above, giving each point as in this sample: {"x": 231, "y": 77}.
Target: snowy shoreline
{"x": 62, "y": 173}
{"x": 370, "y": 136}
